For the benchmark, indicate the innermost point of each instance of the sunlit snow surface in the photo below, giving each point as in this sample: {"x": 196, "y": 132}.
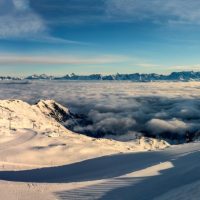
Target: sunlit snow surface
{"x": 120, "y": 107}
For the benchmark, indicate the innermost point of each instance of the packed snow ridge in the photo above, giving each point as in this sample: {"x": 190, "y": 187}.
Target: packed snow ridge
{"x": 46, "y": 117}
{"x": 135, "y": 77}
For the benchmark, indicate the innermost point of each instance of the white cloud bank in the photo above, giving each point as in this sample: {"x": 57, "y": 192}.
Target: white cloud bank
{"x": 157, "y": 109}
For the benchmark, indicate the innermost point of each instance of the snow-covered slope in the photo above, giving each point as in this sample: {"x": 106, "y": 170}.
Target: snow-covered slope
{"x": 42, "y": 122}
{"x": 55, "y": 110}
{"x": 17, "y": 114}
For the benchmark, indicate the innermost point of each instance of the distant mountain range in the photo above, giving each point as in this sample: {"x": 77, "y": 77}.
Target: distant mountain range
{"x": 136, "y": 77}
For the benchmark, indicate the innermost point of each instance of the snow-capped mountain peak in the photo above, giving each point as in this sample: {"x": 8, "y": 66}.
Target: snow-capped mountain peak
{"x": 54, "y": 109}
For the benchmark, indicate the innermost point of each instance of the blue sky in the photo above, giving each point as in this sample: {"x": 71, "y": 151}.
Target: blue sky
{"x": 98, "y": 36}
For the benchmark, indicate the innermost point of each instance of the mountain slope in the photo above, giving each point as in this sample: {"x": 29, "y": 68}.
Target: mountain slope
{"x": 50, "y": 140}
{"x": 136, "y": 77}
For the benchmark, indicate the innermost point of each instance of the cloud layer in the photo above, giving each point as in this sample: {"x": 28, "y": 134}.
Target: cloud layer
{"x": 169, "y": 110}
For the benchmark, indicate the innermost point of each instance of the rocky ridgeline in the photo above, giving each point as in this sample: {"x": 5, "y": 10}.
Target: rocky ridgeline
{"x": 135, "y": 77}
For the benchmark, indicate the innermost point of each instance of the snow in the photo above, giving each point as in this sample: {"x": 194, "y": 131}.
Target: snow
{"x": 50, "y": 142}
{"x": 156, "y": 175}
{"x": 186, "y": 192}
{"x": 40, "y": 159}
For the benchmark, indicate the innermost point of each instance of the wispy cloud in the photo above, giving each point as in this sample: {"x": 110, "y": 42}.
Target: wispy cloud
{"x": 19, "y": 20}
{"x": 56, "y": 60}
{"x": 170, "y": 11}
{"x": 184, "y": 68}
{"x": 21, "y": 4}
{"x": 47, "y": 38}
{"x": 148, "y": 65}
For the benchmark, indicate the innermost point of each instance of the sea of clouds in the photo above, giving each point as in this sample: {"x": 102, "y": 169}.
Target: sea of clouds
{"x": 170, "y": 110}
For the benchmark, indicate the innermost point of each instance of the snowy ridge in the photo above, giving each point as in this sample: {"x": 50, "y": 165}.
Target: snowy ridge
{"x": 20, "y": 115}
{"x": 54, "y": 110}
{"x": 47, "y": 116}
{"x": 135, "y": 77}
